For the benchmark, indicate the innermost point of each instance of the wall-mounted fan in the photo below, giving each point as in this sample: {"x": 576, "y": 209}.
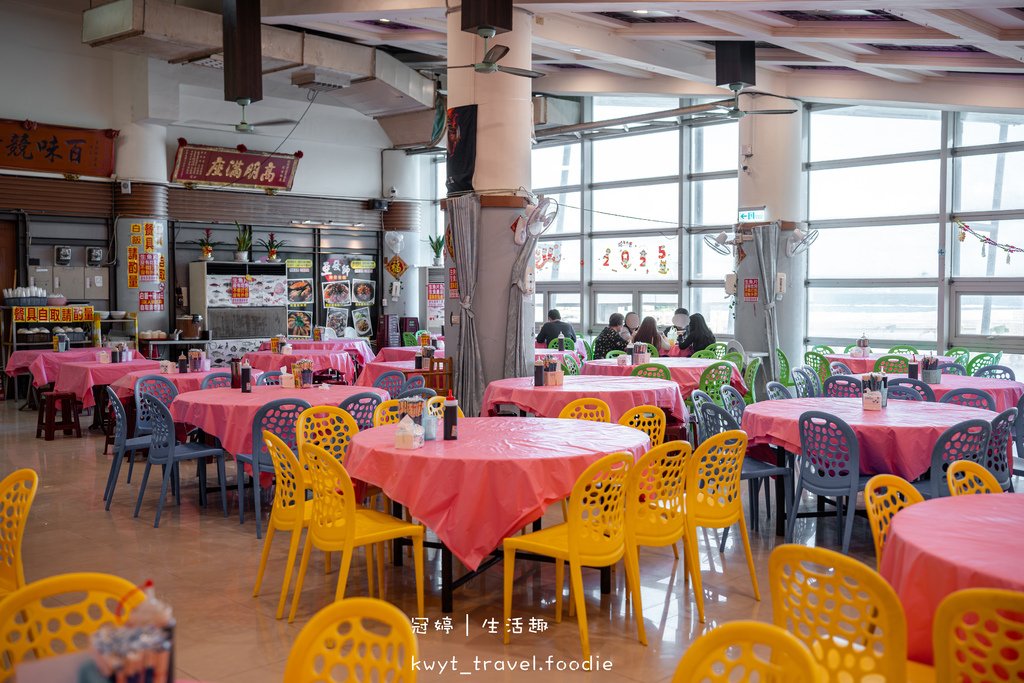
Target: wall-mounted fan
{"x": 720, "y": 243}
{"x": 799, "y": 241}
{"x": 493, "y": 55}
{"x": 537, "y": 221}
{"x": 244, "y": 126}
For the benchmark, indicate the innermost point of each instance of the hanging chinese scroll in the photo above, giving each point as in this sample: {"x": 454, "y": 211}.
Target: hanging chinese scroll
{"x": 238, "y": 167}
{"x": 31, "y": 146}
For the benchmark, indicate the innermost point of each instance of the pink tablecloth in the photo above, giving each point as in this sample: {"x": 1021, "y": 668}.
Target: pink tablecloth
{"x": 1005, "y": 392}
{"x": 371, "y": 371}
{"x": 44, "y": 365}
{"x": 860, "y": 365}
{"x": 579, "y": 346}
{"x": 947, "y": 544}
{"x": 228, "y": 413}
{"x": 685, "y": 371}
{"x": 397, "y": 353}
{"x": 189, "y": 381}
{"x": 620, "y": 393}
{"x": 322, "y": 360}
{"x": 897, "y": 440}
{"x": 497, "y": 477}
{"x": 357, "y": 347}
{"x": 81, "y": 377}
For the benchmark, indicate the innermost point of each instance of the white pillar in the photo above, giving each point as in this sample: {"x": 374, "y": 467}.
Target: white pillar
{"x": 403, "y": 173}
{"x": 771, "y": 176}
{"x": 504, "y": 131}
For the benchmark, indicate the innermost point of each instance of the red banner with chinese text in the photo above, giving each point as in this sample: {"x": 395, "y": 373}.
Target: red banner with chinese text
{"x": 31, "y": 146}
{"x": 205, "y": 165}
{"x": 52, "y": 314}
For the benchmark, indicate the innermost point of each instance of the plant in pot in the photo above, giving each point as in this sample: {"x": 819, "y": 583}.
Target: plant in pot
{"x": 243, "y": 242}
{"x": 272, "y": 244}
{"x": 437, "y": 246}
{"x": 206, "y": 245}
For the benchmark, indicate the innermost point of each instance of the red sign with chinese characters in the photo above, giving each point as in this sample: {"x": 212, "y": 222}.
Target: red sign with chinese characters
{"x": 751, "y": 289}
{"x": 27, "y": 145}
{"x": 204, "y": 165}
{"x": 240, "y": 289}
{"x": 52, "y": 314}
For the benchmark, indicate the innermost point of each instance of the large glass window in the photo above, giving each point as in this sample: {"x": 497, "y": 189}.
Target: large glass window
{"x": 977, "y": 128}
{"x": 990, "y": 182}
{"x": 883, "y": 313}
{"x": 714, "y": 147}
{"x": 876, "y": 252}
{"x": 714, "y": 202}
{"x": 558, "y": 260}
{"x": 715, "y": 306}
{"x": 706, "y": 263}
{"x": 569, "y": 306}
{"x": 617, "y": 106}
{"x": 999, "y": 315}
{"x": 899, "y": 189}
{"x": 648, "y": 257}
{"x": 556, "y": 166}
{"x": 863, "y": 131}
{"x": 569, "y": 215}
{"x": 647, "y": 207}
{"x": 636, "y": 156}
{"x": 606, "y": 303}
{"x": 976, "y": 260}
{"x": 660, "y": 306}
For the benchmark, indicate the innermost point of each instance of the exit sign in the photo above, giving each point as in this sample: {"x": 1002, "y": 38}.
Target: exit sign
{"x": 752, "y": 214}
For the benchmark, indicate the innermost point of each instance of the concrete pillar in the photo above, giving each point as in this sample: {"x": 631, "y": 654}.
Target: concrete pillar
{"x": 773, "y": 178}
{"x": 504, "y": 130}
{"x": 403, "y": 173}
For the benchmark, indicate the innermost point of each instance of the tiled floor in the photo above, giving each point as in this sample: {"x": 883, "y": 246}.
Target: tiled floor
{"x": 204, "y": 565}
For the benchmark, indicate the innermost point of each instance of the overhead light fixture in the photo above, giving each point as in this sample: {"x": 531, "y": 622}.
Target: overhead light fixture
{"x": 640, "y": 11}
{"x": 383, "y": 21}
{"x": 575, "y": 49}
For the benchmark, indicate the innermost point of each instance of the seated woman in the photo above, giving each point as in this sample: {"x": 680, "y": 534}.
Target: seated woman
{"x": 697, "y": 337}
{"x": 648, "y": 333}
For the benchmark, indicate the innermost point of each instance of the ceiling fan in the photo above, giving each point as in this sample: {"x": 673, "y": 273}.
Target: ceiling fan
{"x": 489, "y": 64}
{"x": 734, "y": 112}
{"x": 244, "y": 126}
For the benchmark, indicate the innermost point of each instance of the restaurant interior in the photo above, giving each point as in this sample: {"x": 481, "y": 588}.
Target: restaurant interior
{"x": 344, "y": 326}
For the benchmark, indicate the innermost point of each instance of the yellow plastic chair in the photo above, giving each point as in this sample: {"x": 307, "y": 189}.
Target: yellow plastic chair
{"x": 966, "y": 477}
{"x": 329, "y": 427}
{"x": 747, "y": 651}
{"x": 386, "y": 413}
{"x": 591, "y": 409}
{"x": 654, "y": 504}
{"x": 59, "y": 614}
{"x": 356, "y": 639}
{"x": 435, "y": 406}
{"x": 844, "y": 611}
{"x": 594, "y": 536}
{"x": 884, "y": 496}
{"x": 336, "y": 524}
{"x": 648, "y": 419}
{"x": 290, "y": 511}
{"x": 17, "y": 491}
{"x": 976, "y": 636}
{"x": 713, "y": 499}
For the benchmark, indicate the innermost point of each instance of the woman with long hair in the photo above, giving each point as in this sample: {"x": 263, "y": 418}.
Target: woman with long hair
{"x": 648, "y": 333}
{"x": 697, "y": 337}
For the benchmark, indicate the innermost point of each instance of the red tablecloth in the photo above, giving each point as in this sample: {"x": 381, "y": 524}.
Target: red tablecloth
{"x": 685, "y": 371}
{"x": 397, "y": 353}
{"x": 357, "y": 347}
{"x": 897, "y": 440}
{"x": 44, "y": 365}
{"x": 322, "y": 360}
{"x": 579, "y": 346}
{"x": 861, "y": 365}
{"x": 81, "y": 377}
{"x": 189, "y": 381}
{"x": 947, "y": 544}
{"x": 371, "y": 371}
{"x": 228, "y": 413}
{"x": 497, "y": 477}
{"x": 1005, "y": 392}
{"x": 620, "y": 393}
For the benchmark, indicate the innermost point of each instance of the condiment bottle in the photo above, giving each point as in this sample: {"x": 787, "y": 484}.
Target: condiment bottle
{"x": 451, "y": 417}
{"x": 246, "y": 377}
{"x": 418, "y": 360}
{"x": 561, "y": 342}
{"x": 275, "y": 344}
{"x": 538, "y": 373}
{"x": 912, "y": 367}
{"x": 182, "y": 363}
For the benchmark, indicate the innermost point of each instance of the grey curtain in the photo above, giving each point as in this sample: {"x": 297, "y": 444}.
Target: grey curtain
{"x": 464, "y": 216}
{"x": 519, "y": 331}
{"x": 766, "y": 246}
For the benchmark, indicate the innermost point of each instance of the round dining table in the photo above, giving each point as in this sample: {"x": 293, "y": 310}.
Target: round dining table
{"x": 322, "y": 359}
{"x": 228, "y": 413}
{"x": 896, "y": 440}
{"x": 1006, "y": 393}
{"x": 357, "y": 347}
{"x": 44, "y": 366}
{"x": 948, "y": 544}
{"x": 398, "y": 353}
{"x": 620, "y": 393}
{"x": 858, "y": 364}
{"x": 371, "y": 371}
{"x": 685, "y": 372}
{"x": 182, "y": 381}
{"x": 498, "y": 476}
{"x": 81, "y": 377}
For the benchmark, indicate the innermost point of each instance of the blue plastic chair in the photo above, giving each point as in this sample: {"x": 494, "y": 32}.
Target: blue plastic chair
{"x": 996, "y": 372}
{"x": 926, "y": 392}
{"x": 697, "y": 399}
{"x": 279, "y": 418}
{"x": 972, "y": 398}
{"x": 952, "y": 369}
{"x": 422, "y": 392}
{"x": 967, "y": 440}
{"x": 391, "y": 382}
{"x": 361, "y": 406}
{"x": 803, "y": 382}
{"x": 777, "y": 391}
{"x": 270, "y": 378}
{"x": 828, "y": 465}
{"x": 151, "y": 385}
{"x": 165, "y": 450}
{"x": 1018, "y": 460}
{"x": 733, "y": 402}
{"x": 122, "y": 446}
{"x": 218, "y": 380}
{"x": 839, "y": 368}
{"x": 842, "y": 386}
{"x": 413, "y": 382}
{"x": 1001, "y": 438}
{"x": 897, "y": 392}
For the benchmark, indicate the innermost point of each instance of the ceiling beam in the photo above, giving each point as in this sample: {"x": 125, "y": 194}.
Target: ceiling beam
{"x": 971, "y": 29}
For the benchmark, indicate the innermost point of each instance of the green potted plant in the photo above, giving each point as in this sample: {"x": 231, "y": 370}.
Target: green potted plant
{"x": 272, "y": 244}
{"x": 243, "y": 242}
{"x": 437, "y": 246}
{"x": 206, "y": 244}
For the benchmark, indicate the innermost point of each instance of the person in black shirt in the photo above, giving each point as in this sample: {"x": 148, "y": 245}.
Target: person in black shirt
{"x": 680, "y": 320}
{"x": 697, "y": 337}
{"x": 610, "y": 338}
{"x": 549, "y": 331}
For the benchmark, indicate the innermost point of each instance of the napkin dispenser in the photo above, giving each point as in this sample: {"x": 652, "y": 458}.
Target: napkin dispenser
{"x": 288, "y": 381}
{"x": 167, "y": 367}
{"x": 409, "y": 435}
{"x": 874, "y": 394}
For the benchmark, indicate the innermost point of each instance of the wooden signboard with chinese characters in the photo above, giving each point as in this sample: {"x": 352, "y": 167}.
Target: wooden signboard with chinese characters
{"x": 31, "y": 146}
{"x": 238, "y": 167}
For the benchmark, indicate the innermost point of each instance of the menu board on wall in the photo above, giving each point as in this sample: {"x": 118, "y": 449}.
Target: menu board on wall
{"x": 348, "y": 288}
{"x": 301, "y": 297}
{"x": 435, "y": 304}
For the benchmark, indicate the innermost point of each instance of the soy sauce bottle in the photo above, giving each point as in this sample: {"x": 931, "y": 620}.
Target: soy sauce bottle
{"x": 246, "y": 377}
{"x": 451, "y": 418}
{"x": 182, "y": 364}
